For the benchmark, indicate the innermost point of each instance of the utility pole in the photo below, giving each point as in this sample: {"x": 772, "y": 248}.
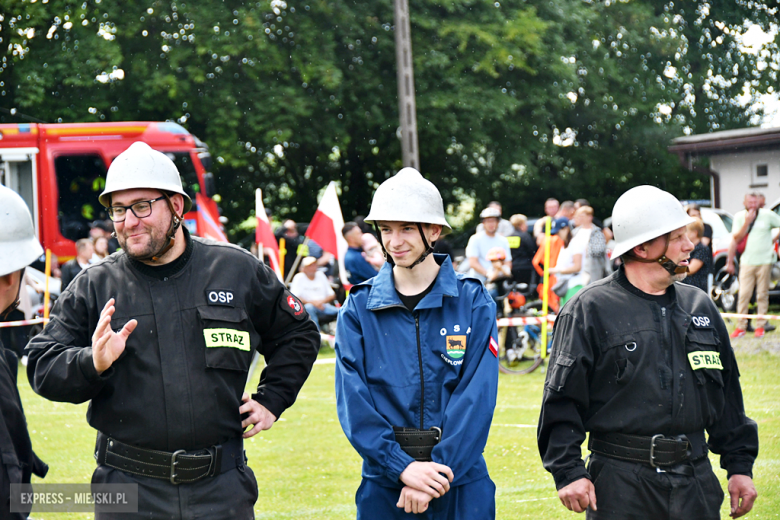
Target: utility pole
{"x": 407, "y": 107}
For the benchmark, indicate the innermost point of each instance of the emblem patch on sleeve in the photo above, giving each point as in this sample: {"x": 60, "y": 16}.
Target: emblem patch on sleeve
{"x": 456, "y": 346}
{"x": 293, "y": 305}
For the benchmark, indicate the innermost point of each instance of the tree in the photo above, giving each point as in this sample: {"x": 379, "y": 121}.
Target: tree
{"x": 517, "y": 101}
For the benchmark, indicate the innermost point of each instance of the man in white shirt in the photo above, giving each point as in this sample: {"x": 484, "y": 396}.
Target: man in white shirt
{"x": 480, "y": 243}
{"x": 312, "y": 287}
{"x": 505, "y": 228}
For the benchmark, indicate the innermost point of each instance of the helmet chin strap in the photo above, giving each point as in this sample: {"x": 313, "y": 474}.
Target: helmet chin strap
{"x": 15, "y": 304}
{"x": 421, "y": 259}
{"x": 664, "y": 261}
{"x": 428, "y": 249}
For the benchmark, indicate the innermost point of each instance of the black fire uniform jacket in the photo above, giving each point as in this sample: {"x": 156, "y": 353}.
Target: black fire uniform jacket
{"x": 178, "y": 384}
{"x": 623, "y": 363}
{"x": 17, "y": 459}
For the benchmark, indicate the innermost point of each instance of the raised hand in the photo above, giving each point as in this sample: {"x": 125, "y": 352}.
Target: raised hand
{"x": 108, "y": 345}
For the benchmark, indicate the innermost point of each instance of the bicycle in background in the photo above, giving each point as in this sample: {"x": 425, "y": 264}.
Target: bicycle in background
{"x": 520, "y": 346}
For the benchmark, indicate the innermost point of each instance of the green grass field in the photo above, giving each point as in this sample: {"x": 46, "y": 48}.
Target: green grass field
{"x": 307, "y": 469}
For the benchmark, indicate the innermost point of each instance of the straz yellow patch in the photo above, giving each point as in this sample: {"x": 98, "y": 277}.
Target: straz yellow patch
{"x": 227, "y": 338}
{"x": 705, "y": 359}
{"x": 514, "y": 242}
{"x": 456, "y": 346}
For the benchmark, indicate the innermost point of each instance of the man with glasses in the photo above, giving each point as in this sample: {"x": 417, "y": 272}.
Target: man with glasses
{"x": 159, "y": 338}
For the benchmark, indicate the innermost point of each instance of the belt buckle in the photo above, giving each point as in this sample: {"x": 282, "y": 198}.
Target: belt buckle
{"x": 438, "y": 437}
{"x": 652, "y": 449}
{"x": 173, "y": 466}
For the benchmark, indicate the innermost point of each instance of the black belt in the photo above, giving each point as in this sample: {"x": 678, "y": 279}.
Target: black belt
{"x": 178, "y": 467}
{"x": 656, "y": 450}
{"x": 418, "y": 444}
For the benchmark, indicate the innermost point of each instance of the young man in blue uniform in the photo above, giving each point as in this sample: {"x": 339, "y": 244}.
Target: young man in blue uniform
{"x": 416, "y": 370}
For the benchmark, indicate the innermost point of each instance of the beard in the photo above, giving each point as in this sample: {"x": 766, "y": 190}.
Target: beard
{"x": 152, "y": 243}
{"x": 679, "y": 277}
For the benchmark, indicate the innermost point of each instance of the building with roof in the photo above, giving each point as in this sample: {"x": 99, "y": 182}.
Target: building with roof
{"x": 740, "y": 161}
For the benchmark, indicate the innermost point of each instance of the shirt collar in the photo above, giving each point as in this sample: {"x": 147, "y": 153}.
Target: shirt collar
{"x": 383, "y": 293}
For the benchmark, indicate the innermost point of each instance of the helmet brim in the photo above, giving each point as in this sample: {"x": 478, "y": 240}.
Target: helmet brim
{"x": 625, "y": 246}
{"x": 18, "y": 254}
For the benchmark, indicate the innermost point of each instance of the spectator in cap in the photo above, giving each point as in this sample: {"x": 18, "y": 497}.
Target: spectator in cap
{"x": 505, "y": 227}
{"x": 312, "y": 287}
{"x": 480, "y": 243}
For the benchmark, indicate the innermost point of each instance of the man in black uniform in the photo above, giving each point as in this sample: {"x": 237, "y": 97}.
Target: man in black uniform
{"x": 645, "y": 365}
{"x": 18, "y": 248}
{"x": 160, "y": 338}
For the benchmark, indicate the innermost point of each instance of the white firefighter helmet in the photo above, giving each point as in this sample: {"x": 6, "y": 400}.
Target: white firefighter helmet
{"x": 642, "y": 214}
{"x": 408, "y": 197}
{"x": 19, "y": 247}
{"x": 142, "y": 167}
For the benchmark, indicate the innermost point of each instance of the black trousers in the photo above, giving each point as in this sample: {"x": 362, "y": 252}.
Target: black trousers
{"x": 631, "y": 491}
{"x": 229, "y": 495}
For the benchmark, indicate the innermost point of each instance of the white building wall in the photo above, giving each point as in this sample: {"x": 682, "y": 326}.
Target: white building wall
{"x": 738, "y": 176}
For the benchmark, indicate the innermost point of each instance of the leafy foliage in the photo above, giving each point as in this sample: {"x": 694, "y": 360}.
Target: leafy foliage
{"x": 517, "y": 100}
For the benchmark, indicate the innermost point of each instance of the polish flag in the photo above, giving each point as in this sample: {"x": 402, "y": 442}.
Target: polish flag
{"x": 264, "y": 235}
{"x": 493, "y": 346}
{"x": 325, "y": 228}
{"x": 206, "y": 225}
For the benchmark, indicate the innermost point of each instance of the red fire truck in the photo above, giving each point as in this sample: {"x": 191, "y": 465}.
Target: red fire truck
{"x": 60, "y": 169}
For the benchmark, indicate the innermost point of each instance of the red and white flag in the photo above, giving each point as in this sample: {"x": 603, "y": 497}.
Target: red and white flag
{"x": 493, "y": 346}
{"x": 204, "y": 219}
{"x": 264, "y": 236}
{"x": 325, "y": 228}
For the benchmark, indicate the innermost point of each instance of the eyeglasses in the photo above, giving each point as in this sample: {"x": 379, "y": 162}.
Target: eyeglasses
{"x": 141, "y": 209}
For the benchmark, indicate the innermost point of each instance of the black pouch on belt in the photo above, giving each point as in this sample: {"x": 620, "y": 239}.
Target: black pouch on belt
{"x": 418, "y": 444}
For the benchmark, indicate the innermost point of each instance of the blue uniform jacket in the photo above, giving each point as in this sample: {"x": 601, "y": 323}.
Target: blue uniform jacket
{"x": 382, "y": 348}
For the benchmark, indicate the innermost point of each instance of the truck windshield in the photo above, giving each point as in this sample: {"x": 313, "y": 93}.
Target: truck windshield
{"x": 189, "y": 177}
{"x": 80, "y": 180}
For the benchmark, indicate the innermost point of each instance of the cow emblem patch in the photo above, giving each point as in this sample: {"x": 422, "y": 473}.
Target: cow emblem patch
{"x": 456, "y": 346}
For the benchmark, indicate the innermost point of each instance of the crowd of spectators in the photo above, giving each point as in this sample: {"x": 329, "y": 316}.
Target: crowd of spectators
{"x": 578, "y": 253}
{"x": 502, "y": 251}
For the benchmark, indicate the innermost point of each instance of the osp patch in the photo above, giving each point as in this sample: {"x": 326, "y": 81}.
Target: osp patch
{"x": 701, "y": 322}
{"x": 220, "y": 297}
{"x": 456, "y": 346}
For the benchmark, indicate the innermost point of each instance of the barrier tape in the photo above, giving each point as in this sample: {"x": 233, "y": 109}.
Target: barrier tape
{"x": 531, "y": 320}
{"x": 20, "y": 323}
{"x": 749, "y": 316}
